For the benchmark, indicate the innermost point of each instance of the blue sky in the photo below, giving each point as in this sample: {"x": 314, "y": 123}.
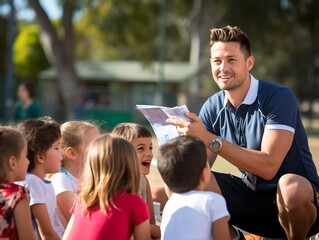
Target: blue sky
{"x": 25, "y": 13}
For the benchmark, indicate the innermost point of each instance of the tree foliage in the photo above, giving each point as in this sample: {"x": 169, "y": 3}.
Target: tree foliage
{"x": 283, "y": 34}
{"x": 129, "y": 27}
{"x": 92, "y": 41}
{"x": 29, "y": 58}
{"x": 283, "y": 43}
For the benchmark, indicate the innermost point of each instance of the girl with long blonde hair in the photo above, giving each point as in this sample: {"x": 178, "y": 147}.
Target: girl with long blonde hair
{"x": 141, "y": 139}
{"x": 108, "y": 205}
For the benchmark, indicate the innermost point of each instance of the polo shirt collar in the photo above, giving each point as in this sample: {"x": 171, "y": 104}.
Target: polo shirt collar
{"x": 251, "y": 94}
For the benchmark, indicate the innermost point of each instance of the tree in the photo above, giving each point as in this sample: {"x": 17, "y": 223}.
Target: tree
{"x": 3, "y": 28}
{"x": 201, "y": 20}
{"x": 281, "y": 38}
{"x": 59, "y": 49}
{"x": 130, "y": 30}
{"x": 29, "y": 58}
{"x": 128, "y": 26}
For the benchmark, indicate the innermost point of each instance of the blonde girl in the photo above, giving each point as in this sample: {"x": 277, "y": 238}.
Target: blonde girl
{"x": 75, "y": 138}
{"x": 15, "y": 216}
{"x": 141, "y": 139}
{"x": 108, "y": 204}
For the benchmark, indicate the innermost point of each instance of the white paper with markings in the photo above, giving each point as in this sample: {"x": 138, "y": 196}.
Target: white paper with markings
{"x": 157, "y": 115}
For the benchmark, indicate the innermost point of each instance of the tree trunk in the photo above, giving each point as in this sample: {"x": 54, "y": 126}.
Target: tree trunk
{"x": 194, "y": 58}
{"x": 202, "y": 22}
{"x": 60, "y": 53}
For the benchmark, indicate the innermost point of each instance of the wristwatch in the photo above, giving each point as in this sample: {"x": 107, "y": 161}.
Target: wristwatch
{"x": 216, "y": 144}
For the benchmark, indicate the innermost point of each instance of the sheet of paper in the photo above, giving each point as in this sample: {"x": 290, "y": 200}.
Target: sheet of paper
{"x": 157, "y": 115}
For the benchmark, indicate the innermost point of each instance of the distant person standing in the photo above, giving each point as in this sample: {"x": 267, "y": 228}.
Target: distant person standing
{"x": 26, "y": 107}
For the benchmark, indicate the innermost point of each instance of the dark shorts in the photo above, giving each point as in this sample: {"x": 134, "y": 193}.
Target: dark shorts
{"x": 255, "y": 211}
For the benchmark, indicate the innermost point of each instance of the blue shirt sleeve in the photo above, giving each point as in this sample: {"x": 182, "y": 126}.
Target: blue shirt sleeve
{"x": 282, "y": 110}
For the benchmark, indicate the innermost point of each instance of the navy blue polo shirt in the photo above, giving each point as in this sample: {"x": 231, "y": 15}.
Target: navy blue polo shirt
{"x": 266, "y": 106}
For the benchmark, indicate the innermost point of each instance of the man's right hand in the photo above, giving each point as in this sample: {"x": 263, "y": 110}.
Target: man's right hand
{"x": 194, "y": 128}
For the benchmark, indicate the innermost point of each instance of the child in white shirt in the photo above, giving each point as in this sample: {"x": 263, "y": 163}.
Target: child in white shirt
{"x": 45, "y": 156}
{"x": 190, "y": 212}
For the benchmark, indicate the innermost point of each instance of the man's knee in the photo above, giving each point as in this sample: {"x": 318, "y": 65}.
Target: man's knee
{"x": 294, "y": 191}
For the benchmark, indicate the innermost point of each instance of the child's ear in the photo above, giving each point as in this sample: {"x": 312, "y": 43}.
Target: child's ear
{"x": 70, "y": 153}
{"x": 12, "y": 163}
{"x": 40, "y": 158}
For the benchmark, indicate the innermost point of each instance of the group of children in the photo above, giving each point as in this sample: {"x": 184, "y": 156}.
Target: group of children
{"x": 78, "y": 183}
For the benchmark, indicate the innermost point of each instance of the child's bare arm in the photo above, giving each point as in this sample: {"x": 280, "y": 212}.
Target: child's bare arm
{"x": 40, "y": 213}
{"x": 65, "y": 201}
{"x": 149, "y": 202}
{"x": 22, "y": 218}
{"x": 142, "y": 231}
{"x": 68, "y": 228}
{"x": 155, "y": 230}
{"x": 220, "y": 229}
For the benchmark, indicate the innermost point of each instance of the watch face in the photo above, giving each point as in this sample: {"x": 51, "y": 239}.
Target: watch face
{"x": 215, "y": 145}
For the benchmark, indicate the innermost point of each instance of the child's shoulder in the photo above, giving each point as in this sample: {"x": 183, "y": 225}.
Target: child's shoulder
{"x": 130, "y": 202}
{"x": 63, "y": 182}
{"x": 31, "y": 182}
{"x": 9, "y": 185}
{"x": 194, "y": 194}
{"x": 206, "y": 193}
{"x": 32, "y": 178}
{"x": 129, "y": 197}
{"x": 13, "y": 189}
{"x": 58, "y": 177}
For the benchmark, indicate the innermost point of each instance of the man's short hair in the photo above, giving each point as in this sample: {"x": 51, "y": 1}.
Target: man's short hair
{"x": 231, "y": 34}
{"x": 181, "y": 161}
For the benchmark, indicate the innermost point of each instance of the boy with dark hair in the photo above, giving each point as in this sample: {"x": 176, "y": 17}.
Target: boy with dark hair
{"x": 45, "y": 156}
{"x": 190, "y": 212}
